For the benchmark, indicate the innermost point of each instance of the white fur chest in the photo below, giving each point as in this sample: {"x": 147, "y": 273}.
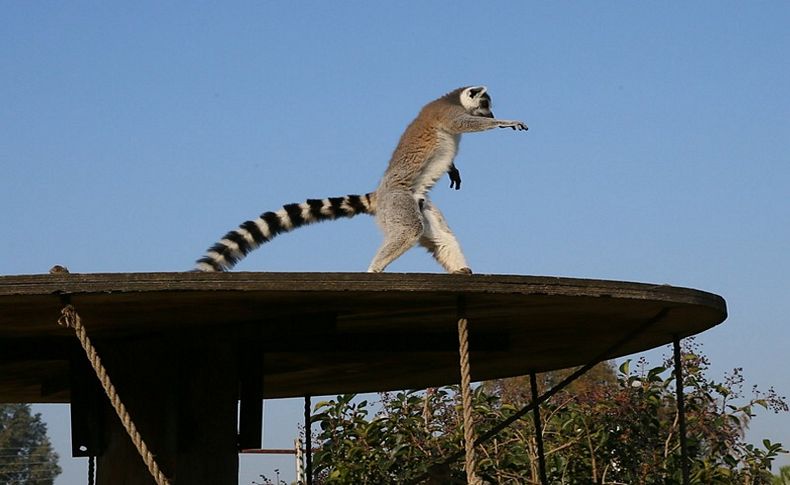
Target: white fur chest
{"x": 437, "y": 164}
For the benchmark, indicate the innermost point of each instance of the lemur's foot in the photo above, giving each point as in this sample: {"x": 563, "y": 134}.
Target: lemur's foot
{"x": 463, "y": 271}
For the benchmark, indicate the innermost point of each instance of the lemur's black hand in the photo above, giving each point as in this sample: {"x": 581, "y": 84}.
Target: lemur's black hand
{"x": 455, "y": 177}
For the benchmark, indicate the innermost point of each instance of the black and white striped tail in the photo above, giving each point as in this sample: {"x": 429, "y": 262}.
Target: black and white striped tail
{"x": 251, "y": 234}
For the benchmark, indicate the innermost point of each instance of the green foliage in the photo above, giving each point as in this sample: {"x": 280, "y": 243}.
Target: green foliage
{"x": 387, "y": 447}
{"x": 26, "y": 455}
{"x": 784, "y": 476}
{"x": 613, "y": 426}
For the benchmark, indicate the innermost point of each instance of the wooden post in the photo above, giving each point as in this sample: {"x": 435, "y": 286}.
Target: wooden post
{"x": 308, "y": 442}
{"x": 533, "y": 384}
{"x": 181, "y": 394}
{"x": 87, "y": 404}
{"x": 250, "y": 390}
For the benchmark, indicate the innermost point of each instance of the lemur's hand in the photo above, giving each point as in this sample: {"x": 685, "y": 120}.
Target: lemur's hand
{"x": 516, "y": 125}
{"x": 455, "y": 177}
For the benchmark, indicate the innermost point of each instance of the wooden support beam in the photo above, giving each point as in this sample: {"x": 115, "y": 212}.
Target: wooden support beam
{"x": 250, "y": 391}
{"x": 308, "y": 441}
{"x": 533, "y": 385}
{"x": 180, "y": 396}
{"x": 87, "y": 404}
{"x": 386, "y": 342}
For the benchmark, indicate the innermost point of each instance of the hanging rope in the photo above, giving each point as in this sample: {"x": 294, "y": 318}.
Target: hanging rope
{"x": 71, "y": 319}
{"x": 470, "y": 464}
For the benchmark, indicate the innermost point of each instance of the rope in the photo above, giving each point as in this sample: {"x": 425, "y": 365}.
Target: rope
{"x": 470, "y": 464}
{"x": 71, "y": 319}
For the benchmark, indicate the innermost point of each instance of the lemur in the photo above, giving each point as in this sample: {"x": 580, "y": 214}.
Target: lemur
{"x": 403, "y": 211}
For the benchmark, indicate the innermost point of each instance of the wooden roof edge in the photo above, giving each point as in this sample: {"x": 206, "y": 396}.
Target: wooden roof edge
{"x": 78, "y": 283}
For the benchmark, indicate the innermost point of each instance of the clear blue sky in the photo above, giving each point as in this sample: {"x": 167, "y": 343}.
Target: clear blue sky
{"x": 133, "y": 135}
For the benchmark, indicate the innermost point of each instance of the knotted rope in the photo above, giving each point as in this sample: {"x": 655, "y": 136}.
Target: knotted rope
{"x": 470, "y": 464}
{"x": 70, "y": 318}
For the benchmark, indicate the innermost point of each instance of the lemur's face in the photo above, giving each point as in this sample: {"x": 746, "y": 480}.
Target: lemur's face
{"x": 476, "y": 101}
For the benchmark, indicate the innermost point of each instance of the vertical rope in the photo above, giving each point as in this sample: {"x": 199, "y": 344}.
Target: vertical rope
{"x": 71, "y": 319}
{"x": 470, "y": 464}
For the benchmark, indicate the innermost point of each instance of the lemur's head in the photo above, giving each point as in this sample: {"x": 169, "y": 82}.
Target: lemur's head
{"x": 476, "y": 101}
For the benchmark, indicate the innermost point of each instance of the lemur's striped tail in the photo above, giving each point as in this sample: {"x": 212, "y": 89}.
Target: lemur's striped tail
{"x": 251, "y": 234}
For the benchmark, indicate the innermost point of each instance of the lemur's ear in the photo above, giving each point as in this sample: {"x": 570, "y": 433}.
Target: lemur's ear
{"x": 476, "y": 91}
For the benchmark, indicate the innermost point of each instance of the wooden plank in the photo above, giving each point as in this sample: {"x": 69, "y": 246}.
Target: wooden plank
{"x": 87, "y": 403}
{"x": 342, "y": 332}
{"x": 144, "y": 372}
{"x": 183, "y": 404}
{"x": 207, "y": 436}
{"x": 250, "y": 355}
{"x": 320, "y": 282}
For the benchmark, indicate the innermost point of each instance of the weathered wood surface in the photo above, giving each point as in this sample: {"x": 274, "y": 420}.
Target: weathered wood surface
{"x": 325, "y": 333}
{"x": 183, "y": 404}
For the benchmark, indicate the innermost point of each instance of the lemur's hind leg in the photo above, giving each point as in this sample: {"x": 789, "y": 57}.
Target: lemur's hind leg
{"x": 440, "y": 241}
{"x": 398, "y": 215}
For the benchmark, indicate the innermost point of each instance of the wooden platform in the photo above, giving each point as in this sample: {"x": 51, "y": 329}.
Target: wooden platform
{"x": 326, "y": 333}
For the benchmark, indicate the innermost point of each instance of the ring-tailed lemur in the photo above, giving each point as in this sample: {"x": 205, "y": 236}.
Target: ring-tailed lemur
{"x": 401, "y": 205}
